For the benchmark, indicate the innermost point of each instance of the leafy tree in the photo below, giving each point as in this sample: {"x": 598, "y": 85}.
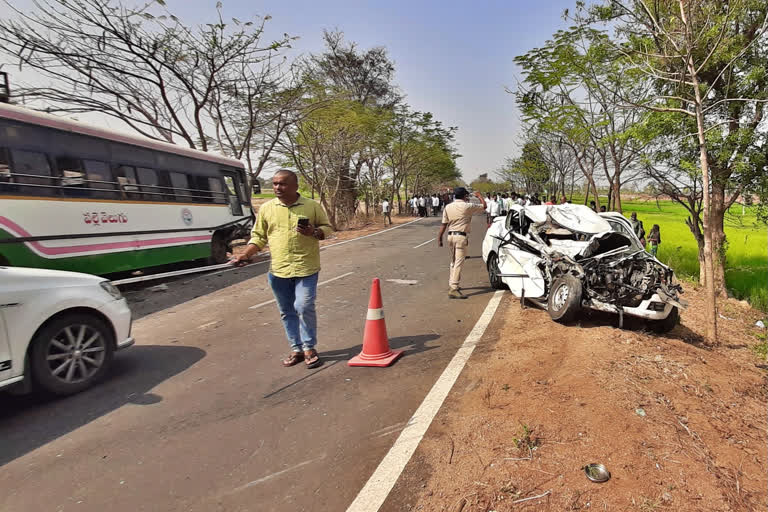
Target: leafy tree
{"x": 528, "y": 173}
{"x": 706, "y": 63}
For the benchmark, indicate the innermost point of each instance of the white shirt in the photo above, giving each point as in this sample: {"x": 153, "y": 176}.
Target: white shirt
{"x": 385, "y": 206}
{"x": 493, "y": 208}
{"x": 435, "y": 201}
{"x": 422, "y": 201}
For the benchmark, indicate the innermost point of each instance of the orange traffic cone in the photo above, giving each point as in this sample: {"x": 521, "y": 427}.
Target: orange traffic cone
{"x": 376, "y": 351}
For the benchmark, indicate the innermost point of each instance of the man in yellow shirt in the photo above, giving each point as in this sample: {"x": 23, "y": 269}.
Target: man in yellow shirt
{"x": 292, "y": 226}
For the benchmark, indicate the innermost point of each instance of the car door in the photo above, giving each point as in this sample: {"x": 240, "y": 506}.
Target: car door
{"x": 518, "y": 267}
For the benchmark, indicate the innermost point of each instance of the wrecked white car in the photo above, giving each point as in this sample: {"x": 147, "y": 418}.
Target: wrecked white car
{"x": 568, "y": 258}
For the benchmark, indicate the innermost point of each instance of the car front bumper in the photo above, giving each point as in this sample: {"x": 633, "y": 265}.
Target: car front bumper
{"x": 119, "y": 314}
{"x": 644, "y": 310}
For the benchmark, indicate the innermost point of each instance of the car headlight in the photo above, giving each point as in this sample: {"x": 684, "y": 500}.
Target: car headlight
{"x": 111, "y": 289}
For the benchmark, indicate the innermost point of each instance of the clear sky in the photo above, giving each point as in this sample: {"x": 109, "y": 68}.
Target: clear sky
{"x": 452, "y": 58}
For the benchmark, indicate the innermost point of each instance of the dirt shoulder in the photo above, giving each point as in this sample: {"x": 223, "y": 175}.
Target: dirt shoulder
{"x": 680, "y": 426}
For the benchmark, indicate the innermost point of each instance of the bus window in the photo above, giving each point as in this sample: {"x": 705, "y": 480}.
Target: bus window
{"x": 126, "y": 177}
{"x": 217, "y": 190}
{"x": 72, "y": 176}
{"x": 180, "y": 184}
{"x": 149, "y": 184}
{"x": 34, "y": 170}
{"x": 5, "y": 167}
{"x": 100, "y": 179}
{"x": 234, "y": 199}
{"x": 201, "y": 192}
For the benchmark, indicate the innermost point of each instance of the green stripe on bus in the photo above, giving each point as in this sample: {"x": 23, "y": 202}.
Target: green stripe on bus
{"x": 19, "y": 255}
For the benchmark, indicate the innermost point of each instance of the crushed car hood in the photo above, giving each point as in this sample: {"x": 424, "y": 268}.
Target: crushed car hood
{"x": 579, "y": 218}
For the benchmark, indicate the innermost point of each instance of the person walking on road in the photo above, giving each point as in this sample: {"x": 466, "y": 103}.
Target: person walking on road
{"x": 494, "y": 209}
{"x": 435, "y": 205}
{"x": 386, "y": 210}
{"x": 457, "y": 219}
{"x": 423, "y": 206}
{"x": 293, "y": 226}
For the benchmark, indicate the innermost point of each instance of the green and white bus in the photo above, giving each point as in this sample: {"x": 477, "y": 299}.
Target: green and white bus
{"x": 77, "y": 197}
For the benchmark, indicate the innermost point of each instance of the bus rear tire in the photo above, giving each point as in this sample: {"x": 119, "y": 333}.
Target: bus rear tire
{"x": 219, "y": 248}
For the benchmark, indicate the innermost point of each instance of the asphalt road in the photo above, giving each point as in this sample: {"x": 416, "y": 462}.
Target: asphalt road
{"x": 201, "y": 416}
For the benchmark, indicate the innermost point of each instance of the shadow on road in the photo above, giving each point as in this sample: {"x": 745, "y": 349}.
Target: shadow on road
{"x": 481, "y": 290}
{"x": 144, "y": 301}
{"x": 30, "y": 421}
{"x": 411, "y": 345}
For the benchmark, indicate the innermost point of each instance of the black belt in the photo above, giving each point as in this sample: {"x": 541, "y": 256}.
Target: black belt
{"x": 457, "y": 233}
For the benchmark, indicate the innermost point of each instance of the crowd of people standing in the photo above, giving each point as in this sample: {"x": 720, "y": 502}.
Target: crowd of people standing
{"x": 421, "y": 205}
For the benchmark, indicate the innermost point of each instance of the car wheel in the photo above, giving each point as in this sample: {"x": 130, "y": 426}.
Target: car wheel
{"x": 71, "y": 353}
{"x": 667, "y": 324}
{"x": 564, "y": 299}
{"x": 493, "y": 272}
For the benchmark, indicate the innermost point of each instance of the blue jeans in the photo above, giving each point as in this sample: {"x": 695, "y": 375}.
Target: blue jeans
{"x": 295, "y": 297}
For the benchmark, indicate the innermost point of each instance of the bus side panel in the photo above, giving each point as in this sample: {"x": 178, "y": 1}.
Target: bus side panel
{"x": 188, "y": 231}
{"x": 19, "y": 255}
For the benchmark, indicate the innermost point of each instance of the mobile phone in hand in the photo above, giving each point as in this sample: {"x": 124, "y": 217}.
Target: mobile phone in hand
{"x": 303, "y": 222}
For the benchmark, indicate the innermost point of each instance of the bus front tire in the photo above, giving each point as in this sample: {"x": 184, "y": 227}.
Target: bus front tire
{"x": 218, "y": 249}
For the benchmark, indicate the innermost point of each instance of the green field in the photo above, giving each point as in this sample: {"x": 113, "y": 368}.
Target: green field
{"x": 747, "y": 254}
{"x": 268, "y": 195}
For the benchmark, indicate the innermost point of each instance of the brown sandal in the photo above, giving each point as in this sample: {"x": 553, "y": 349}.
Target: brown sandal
{"x": 294, "y": 359}
{"x": 311, "y": 359}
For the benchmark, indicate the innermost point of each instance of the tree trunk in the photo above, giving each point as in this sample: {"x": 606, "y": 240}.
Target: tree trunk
{"x": 694, "y": 226}
{"x": 711, "y": 294}
{"x": 719, "y": 245}
{"x": 586, "y": 196}
{"x": 610, "y": 195}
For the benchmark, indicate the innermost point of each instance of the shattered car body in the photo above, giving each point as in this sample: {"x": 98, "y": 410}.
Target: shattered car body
{"x": 569, "y": 257}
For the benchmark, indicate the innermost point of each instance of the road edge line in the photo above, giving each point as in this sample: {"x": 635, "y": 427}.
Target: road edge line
{"x": 376, "y": 490}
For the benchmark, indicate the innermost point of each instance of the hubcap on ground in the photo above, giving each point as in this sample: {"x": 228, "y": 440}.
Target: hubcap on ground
{"x": 76, "y": 353}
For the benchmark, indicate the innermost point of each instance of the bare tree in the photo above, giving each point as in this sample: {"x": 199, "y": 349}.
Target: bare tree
{"x": 144, "y": 67}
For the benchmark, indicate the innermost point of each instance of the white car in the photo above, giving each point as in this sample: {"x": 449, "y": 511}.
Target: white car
{"x": 567, "y": 257}
{"x": 58, "y": 330}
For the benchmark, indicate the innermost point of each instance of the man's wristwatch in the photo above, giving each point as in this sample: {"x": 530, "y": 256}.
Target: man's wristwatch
{"x": 316, "y": 233}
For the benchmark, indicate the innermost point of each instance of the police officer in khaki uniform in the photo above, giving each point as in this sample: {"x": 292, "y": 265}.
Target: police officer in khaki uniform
{"x": 457, "y": 218}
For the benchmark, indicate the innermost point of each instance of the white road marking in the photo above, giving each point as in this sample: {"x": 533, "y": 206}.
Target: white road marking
{"x": 403, "y": 281}
{"x": 379, "y": 485}
{"x": 274, "y": 475}
{"x": 425, "y": 243}
{"x": 257, "y": 306}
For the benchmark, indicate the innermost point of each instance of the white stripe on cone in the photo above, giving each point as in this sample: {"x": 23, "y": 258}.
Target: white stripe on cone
{"x": 375, "y": 314}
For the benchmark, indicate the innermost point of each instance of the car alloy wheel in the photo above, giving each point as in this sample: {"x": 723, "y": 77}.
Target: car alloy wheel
{"x": 71, "y": 352}
{"x": 76, "y": 353}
